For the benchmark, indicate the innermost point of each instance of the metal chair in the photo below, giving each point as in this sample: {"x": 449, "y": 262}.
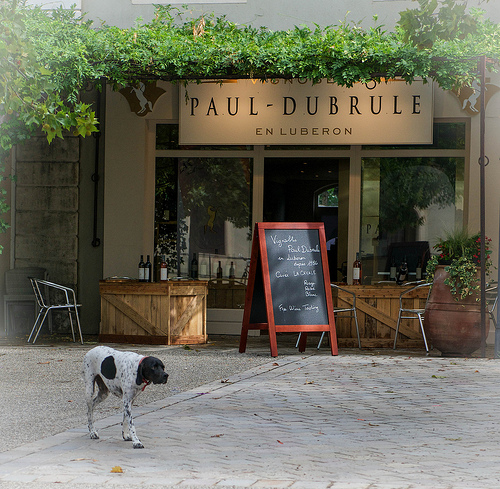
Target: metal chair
{"x": 491, "y": 301}
{"x": 352, "y": 310}
{"x": 64, "y": 298}
{"x": 416, "y": 313}
{"x": 337, "y": 310}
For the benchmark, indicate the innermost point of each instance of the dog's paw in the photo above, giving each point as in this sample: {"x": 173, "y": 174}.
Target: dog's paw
{"x": 137, "y": 444}
{"x": 94, "y": 435}
{"x": 126, "y": 437}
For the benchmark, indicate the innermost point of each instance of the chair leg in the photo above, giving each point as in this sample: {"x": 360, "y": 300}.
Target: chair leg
{"x": 40, "y": 325}
{"x": 423, "y": 332}
{"x": 321, "y": 340}
{"x": 35, "y": 325}
{"x": 357, "y": 328}
{"x": 71, "y": 324}
{"x": 78, "y": 324}
{"x": 397, "y": 330}
{"x": 298, "y": 339}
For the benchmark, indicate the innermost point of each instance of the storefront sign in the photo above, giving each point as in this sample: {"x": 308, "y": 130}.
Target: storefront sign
{"x": 298, "y": 112}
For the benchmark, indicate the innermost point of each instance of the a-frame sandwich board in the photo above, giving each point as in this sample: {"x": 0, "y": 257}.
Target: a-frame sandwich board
{"x": 288, "y": 286}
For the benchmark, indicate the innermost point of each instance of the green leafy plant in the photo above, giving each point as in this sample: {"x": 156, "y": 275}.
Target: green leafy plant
{"x": 460, "y": 253}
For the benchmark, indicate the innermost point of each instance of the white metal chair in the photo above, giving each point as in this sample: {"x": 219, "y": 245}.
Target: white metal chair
{"x": 62, "y": 298}
{"x": 351, "y": 310}
{"x": 337, "y": 310}
{"x": 415, "y": 313}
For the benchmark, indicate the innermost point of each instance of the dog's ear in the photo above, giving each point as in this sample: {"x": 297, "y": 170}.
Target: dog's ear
{"x": 139, "y": 379}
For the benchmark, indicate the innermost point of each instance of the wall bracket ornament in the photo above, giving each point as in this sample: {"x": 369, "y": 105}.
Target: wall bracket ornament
{"x": 142, "y": 97}
{"x": 470, "y": 96}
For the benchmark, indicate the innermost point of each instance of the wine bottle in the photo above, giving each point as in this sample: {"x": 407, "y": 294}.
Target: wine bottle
{"x": 148, "y": 276}
{"x": 219, "y": 270}
{"x": 232, "y": 271}
{"x": 393, "y": 270}
{"x": 402, "y": 272}
{"x": 163, "y": 270}
{"x": 141, "y": 269}
{"x": 356, "y": 271}
{"x": 418, "y": 271}
{"x": 194, "y": 267}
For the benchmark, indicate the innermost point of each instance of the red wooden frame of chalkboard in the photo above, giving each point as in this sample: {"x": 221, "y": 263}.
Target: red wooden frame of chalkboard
{"x": 259, "y": 274}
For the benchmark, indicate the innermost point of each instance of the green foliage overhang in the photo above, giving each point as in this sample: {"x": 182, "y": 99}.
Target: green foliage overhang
{"x": 46, "y": 57}
{"x": 215, "y": 48}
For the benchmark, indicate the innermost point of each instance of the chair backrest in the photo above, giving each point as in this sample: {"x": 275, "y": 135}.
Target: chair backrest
{"x": 50, "y": 294}
{"x": 39, "y": 292}
{"x": 17, "y": 280}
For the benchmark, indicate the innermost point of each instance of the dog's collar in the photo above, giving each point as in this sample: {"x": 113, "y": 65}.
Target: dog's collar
{"x": 144, "y": 380}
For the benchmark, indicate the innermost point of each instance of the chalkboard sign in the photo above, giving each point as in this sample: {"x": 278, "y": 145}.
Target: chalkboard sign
{"x": 289, "y": 284}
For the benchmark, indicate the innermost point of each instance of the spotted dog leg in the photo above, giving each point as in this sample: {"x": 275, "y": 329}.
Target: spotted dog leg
{"x": 128, "y": 425}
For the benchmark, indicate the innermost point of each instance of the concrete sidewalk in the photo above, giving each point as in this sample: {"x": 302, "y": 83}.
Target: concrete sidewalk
{"x": 299, "y": 421}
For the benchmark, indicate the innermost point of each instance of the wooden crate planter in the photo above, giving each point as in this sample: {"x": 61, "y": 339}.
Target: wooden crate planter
{"x": 164, "y": 313}
{"x": 377, "y": 309}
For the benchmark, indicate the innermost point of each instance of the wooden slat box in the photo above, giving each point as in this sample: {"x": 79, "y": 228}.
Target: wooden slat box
{"x": 160, "y": 313}
{"x": 377, "y": 308}
{"x": 226, "y": 294}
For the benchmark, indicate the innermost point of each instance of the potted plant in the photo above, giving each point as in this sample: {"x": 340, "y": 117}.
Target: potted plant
{"x": 452, "y": 319}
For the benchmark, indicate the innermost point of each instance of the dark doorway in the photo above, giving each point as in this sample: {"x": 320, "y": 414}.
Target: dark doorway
{"x": 306, "y": 190}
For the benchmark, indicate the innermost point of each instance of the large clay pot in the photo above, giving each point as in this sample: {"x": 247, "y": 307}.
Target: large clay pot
{"x": 451, "y": 326}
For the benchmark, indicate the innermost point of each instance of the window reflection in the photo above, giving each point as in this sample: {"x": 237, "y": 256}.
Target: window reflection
{"x": 203, "y": 207}
{"x": 407, "y": 204}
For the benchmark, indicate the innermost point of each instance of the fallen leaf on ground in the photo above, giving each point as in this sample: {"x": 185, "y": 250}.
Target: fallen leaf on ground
{"x": 117, "y": 470}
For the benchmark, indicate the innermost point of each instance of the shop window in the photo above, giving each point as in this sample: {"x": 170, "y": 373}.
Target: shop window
{"x": 203, "y": 208}
{"x": 409, "y": 201}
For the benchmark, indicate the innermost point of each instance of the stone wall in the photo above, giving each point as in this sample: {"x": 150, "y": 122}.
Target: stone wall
{"x": 46, "y": 209}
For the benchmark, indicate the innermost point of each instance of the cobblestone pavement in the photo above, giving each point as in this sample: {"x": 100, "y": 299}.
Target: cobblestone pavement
{"x": 310, "y": 420}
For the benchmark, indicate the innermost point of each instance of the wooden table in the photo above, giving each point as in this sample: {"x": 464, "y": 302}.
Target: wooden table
{"x": 160, "y": 313}
{"x": 377, "y": 308}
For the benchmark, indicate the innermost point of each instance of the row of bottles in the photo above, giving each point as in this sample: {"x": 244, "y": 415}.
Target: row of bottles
{"x": 231, "y": 273}
{"x": 145, "y": 271}
{"x": 194, "y": 269}
{"x": 398, "y": 274}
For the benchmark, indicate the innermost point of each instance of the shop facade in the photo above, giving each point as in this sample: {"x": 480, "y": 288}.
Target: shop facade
{"x": 165, "y": 180}
{"x": 199, "y": 194}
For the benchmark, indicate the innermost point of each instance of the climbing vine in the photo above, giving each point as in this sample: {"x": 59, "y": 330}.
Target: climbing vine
{"x": 46, "y": 57}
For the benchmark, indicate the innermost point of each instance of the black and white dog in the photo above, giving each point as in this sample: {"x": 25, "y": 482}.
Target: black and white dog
{"x": 123, "y": 373}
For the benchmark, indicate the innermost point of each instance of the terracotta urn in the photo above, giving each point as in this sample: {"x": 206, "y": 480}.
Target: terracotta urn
{"x": 453, "y": 327}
